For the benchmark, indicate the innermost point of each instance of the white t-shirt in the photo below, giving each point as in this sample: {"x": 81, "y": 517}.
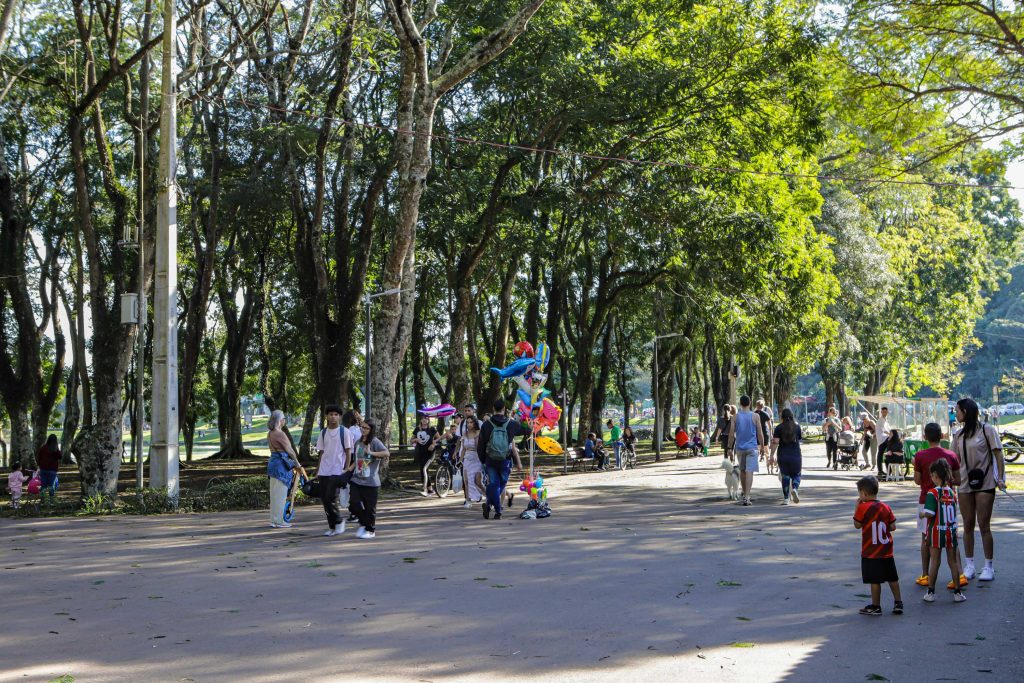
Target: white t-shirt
{"x": 882, "y": 429}
{"x": 333, "y": 443}
{"x": 355, "y": 433}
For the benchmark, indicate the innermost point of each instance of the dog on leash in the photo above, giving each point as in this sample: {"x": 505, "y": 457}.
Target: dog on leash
{"x": 732, "y": 478}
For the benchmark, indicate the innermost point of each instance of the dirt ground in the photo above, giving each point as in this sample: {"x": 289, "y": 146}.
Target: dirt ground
{"x": 642, "y": 575}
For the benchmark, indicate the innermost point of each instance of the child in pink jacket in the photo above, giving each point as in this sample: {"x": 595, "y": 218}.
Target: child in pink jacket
{"x": 15, "y": 480}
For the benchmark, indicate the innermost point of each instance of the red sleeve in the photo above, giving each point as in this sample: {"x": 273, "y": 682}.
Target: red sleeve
{"x": 892, "y": 518}
{"x": 858, "y": 515}
{"x": 954, "y": 463}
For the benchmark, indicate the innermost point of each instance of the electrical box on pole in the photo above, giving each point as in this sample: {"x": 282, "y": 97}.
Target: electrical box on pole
{"x": 130, "y": 309}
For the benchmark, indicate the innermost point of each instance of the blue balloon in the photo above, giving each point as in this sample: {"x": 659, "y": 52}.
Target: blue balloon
{"x": 519, "y": 367}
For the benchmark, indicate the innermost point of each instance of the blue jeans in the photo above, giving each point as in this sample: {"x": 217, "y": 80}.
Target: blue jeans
{"x": 618, "y": 454}
{"x": 789, "y": 468}
{"x": 497, "y": 478}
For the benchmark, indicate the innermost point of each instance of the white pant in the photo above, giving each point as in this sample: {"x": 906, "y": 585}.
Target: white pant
{"x": 278, "y": 496}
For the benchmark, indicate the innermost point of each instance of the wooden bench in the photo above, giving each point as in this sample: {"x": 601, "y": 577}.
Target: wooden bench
{"x": 578, "y": 459}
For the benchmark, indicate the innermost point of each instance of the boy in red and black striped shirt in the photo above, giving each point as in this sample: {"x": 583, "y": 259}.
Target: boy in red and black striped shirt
{"x": 877, "y": 565}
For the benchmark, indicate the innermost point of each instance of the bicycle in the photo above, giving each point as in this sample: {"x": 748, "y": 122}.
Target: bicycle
{"x": 444, "y": 475}
{"x": 627, "y": 456}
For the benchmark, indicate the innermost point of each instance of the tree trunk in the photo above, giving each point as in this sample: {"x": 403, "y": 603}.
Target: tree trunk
{"x": 601, "y": 390}
{"x": 501, "y": 335}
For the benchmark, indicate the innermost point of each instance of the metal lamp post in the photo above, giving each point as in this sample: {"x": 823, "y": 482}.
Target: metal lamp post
{"x": 657, "y": 395}
{"x": 367, "y": 300}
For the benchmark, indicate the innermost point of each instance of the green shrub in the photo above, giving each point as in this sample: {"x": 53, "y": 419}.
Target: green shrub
{"x": 243, "y": 493}
{"x": 98, "y": 504}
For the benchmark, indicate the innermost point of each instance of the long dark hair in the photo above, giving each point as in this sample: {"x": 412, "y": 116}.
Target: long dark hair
{"x": 787, "y": 433}
{"x": 970, "y": 409}
{"x": 369, "y": 436}
{"x": 51, "y": 444}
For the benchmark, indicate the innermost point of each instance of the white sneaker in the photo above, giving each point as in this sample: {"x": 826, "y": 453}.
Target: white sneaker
{"x": 424, "y": 494}
{"x": 467, "y": 505}
{"x": 368, "y": 535}
{"x": 929, "y": 597}
{"x": 330, "y": 532}
{"x": 959, "y": 597}
{"x": 785, "y": 501}
{"x": 273, "y": 526}
{"x": 360, "y": 531}
{"x": 795, "y": 496}
{"x": 987, "y": 574}
{"x": 340, "y": 529}
{"x": 969, "y": 570}
{"x": 285, "y": 525}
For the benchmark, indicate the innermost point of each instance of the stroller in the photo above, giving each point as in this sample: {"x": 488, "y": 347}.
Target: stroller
{"x": 847, "y": 450}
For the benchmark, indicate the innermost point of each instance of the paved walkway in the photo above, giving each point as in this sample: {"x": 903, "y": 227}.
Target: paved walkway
{"x": 647, "y": 575}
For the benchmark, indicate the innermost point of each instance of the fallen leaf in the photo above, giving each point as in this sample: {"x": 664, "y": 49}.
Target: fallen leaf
{"x": 743, "y": 618}
{"x": 741, "y": 644}
{"x": 724, "y": 583}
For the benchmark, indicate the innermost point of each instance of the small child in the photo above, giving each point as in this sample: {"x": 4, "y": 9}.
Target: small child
{"x": 15, "y": 480}
{"x": 940, "y": 509}
{"x": 877, "y": 566}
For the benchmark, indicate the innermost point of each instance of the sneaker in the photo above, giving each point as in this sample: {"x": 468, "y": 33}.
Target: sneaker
{"x": 330, "y": 532}
{"x": 497, "y": 515}
{"x": 871, "y": 610}
{"x": 467, "y": 505}
{"x": 425, "y": 494}
{"x": 272, "y": 526}
{"x": 959, "y": 597}
{"x": 340, "y": 528}
{"x": 284, "y": 525}
{"x": 368, "y": 535}
{"x": 987, "y": 574}
{"x": 795, "y": 496}
{"x": 360, "y": 531}
{"x": 963, "y": 582}
{"x": 487, "y": 511}
{"x": 897, "y": 608}
{"x": 923, "y": 580}
{"x": 969, "y": 570}
{"x": 746, "y": 502}
{"x": 929, "y": 596}
{"x": 785, "y": 501}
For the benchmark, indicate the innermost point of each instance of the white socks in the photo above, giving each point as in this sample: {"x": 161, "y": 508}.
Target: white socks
{"x": 988, "y": 564}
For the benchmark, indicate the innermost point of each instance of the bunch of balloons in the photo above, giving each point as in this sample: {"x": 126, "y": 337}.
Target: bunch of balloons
{"x": 535, "y": 488}
{"x": 528, "y": 372}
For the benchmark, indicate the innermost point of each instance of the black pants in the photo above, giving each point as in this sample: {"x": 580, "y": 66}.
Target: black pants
{"x": 832, "y": 451}
{"x": 599, "y": 458}
{"x": 882, "y": 448}
{"x": 362, "y": 502}
{"x": 329, "y": 487}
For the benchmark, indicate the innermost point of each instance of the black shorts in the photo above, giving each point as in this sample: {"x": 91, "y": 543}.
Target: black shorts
{"x": 878, "y": 570}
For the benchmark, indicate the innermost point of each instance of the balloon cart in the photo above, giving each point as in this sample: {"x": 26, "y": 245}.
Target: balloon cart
{"x": 536, "y": 411}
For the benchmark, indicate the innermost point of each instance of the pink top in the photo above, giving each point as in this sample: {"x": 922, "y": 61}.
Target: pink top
{"x": 14, "y": 482}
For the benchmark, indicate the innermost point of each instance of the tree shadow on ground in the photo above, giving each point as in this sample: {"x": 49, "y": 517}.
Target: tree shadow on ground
{"x": 624, "y": 581}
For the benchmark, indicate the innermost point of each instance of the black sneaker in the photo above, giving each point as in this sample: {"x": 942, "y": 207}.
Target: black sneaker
{"x": 871, "y": 610}
{"x": 897, "y": 608}
{"x": 487, "y": 511}
{"x": 497, "y": 515}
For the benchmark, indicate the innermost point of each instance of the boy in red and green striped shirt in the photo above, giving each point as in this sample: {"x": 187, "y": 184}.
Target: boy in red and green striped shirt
{"x": 940, "y": 509}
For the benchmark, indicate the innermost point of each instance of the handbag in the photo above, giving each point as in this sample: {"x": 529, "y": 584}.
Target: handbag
{"x": 975, "y": 475}
{"x": 311, "y": 488}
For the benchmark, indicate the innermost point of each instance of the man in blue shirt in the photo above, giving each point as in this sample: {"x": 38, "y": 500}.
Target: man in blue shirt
{"x": 746, "y": 439}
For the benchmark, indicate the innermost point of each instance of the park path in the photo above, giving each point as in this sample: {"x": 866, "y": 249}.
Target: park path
{"x": 644, "y": 575}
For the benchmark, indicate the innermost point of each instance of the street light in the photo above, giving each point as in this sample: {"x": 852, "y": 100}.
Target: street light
{"x": 367, "y": 300}
{"x": 657, "y": 397}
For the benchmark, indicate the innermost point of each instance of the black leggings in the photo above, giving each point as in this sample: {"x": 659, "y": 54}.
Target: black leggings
{"x": 329, "y": 488}
{"x": 832, "y": 450}
{"x": 362, "y": 503}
